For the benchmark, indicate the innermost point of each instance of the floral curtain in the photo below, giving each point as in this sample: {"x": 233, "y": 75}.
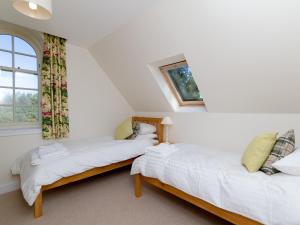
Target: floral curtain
{"x": 55, "y": 120}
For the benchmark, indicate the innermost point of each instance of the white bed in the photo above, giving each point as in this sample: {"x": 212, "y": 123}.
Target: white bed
{"x": 84, "y": 155}
{"x": 219, "y": 178}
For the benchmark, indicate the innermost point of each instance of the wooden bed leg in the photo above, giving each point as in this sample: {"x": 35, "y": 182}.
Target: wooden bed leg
{"x": 38, "y": 206}
{"x": 138, "y": 185}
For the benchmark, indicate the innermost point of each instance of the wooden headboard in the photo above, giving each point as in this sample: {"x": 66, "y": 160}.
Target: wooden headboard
{"x": 155, "y": 122}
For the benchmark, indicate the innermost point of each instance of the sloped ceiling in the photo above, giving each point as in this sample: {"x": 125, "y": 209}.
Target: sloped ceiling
{"x": 82, "y": 22}
{"x": 245, "y": 55}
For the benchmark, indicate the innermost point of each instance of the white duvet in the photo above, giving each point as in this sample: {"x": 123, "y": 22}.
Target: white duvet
{"x": 219, "y": 178}
{"x": 84, "y": 155}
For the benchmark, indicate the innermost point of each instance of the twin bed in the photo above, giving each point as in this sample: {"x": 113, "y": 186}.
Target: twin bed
{"x": 88, "y": 158}
{"x": 216, "y": 181}
{"x": 210, "y": 179}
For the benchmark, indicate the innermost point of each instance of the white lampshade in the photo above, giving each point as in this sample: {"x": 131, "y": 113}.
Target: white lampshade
{"x": 37, "y": 9}
{"x": 167, "y": 121}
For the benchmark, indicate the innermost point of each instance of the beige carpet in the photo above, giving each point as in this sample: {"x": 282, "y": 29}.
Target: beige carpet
{"x": 107, "y": 199}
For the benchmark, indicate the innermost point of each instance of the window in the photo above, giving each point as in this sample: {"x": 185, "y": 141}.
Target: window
{"x": 180, "y": 80}
{"x": 19, "y": 82}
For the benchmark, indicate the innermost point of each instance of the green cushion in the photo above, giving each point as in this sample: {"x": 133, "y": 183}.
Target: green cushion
{"x": 124, "y": 130}
{"x": 258, "y": 151}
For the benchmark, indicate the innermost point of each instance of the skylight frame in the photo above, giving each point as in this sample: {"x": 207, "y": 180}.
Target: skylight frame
{"x": 164, "y": 70}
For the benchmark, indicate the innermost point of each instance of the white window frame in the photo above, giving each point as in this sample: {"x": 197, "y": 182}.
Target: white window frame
{"x": 14, "y": 124}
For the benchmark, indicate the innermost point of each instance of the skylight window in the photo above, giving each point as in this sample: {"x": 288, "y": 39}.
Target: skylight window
{"x": 180, "y": 80}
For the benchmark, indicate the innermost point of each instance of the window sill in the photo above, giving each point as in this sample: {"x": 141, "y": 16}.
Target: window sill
{"x": 183, "y": 109}
{"x": 7, "y": 132}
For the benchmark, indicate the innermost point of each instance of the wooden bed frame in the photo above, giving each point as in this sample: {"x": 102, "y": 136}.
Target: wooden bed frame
{"x": 224, "y": 214}
{"x": 38, "y": 204}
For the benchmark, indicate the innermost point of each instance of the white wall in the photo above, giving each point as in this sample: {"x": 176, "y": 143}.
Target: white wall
{"x": 244, "y": 54}
{"x": 226, "y": 131}
{"x": 95, "y": 105}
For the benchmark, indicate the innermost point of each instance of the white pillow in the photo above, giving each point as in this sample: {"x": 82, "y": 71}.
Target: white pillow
{"x": 147, "y": 128}
{"x": 289, "y": 164}
{"x": 154, "y": 141}
{"x": 146, "y": 136}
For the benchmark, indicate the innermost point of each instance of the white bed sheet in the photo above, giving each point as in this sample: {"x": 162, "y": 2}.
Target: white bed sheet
{"x": 85, "y": 155}
{"x": 219, "y": 178}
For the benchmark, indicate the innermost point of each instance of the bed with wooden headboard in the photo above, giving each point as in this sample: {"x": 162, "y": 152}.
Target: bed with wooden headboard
{"x": 38, "y": 210}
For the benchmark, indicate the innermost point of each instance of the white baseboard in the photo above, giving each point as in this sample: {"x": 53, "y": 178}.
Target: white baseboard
{"x": 5, "y": 188}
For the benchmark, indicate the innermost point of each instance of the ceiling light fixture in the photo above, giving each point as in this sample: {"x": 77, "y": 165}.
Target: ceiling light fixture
{"x": 32, "y": 5}
{"x": 37, "y": 9}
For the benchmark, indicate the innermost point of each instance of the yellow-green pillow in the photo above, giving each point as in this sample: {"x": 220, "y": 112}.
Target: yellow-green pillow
{"x": 258, "y": 151}
{"x": 124, "y": 130}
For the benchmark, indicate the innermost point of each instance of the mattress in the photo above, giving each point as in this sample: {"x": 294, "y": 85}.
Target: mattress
{"x": 84, "y": 155}
{"x": 219, "y": 178}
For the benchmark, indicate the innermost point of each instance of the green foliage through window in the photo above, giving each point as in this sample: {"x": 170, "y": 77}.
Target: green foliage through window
{"x": 181, "y": 82}
{"x": 185, "y": 84}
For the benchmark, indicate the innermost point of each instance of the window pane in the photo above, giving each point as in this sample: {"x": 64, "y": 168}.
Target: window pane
{"x": 6, "y": 78}
{"x": 6, "y": 42}
{"x": 185, "y": 85}
{"x": 26, "y": 97}
{"x": 6, "y": 96}
{"x": 25, "y": 62}
{"x": 23, "y": 47}
{"x": 6, "y": 114}
{"x": 25, "y": 80}
{"x": 5, "y": 59}
{"x": 27, "y": 114}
